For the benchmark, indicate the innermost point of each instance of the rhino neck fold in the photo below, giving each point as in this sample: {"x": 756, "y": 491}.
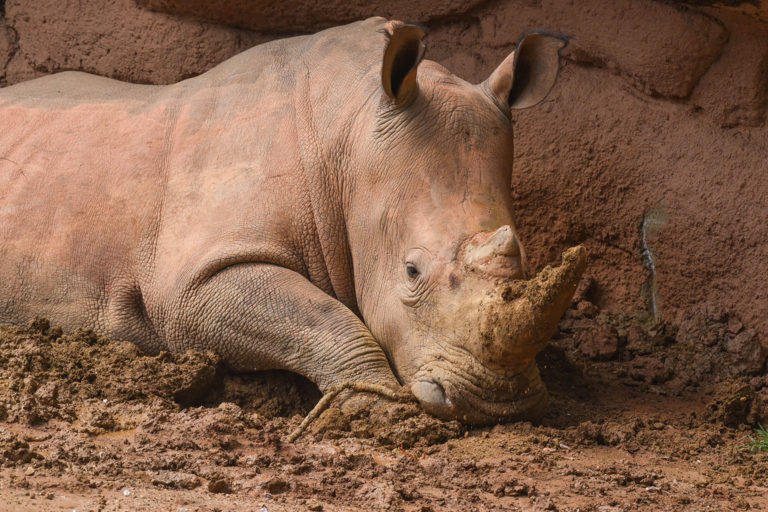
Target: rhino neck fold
{"x": 324, "y": 241}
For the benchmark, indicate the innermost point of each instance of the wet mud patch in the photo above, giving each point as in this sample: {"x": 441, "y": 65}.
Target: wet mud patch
{"x": 93, "y": 424}
{"x": 45, "y": 374}
{"x": 87, "y": 380}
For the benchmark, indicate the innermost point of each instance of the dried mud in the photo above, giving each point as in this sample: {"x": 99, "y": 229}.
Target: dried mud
{"x": 92, "y": 424}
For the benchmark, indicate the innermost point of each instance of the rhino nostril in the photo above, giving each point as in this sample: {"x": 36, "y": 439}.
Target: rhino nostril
{"x": 432, "y": 397}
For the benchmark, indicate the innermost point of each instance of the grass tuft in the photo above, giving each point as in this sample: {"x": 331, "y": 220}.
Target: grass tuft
{"x": 758, "y": 442}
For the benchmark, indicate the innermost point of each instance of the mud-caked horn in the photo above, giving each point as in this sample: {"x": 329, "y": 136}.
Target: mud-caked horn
{"x": 518, "y": 319}
{"x": 498, "y": 253}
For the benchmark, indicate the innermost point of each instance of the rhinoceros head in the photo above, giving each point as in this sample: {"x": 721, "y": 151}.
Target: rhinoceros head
{"x": 440, "y": 273}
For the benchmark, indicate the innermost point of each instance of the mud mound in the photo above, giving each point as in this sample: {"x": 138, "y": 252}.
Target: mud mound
{"x": 388, "y": 424}
{"x": 705, "y": 349}
{"x": 736, "y": 403}
{"x": 45, "y": 374}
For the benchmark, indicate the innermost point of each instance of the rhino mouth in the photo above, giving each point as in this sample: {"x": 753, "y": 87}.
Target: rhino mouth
{"x": 449, "y": 394}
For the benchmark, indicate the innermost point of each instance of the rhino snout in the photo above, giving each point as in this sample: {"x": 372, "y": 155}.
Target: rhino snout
{"x": 482, "y": 397}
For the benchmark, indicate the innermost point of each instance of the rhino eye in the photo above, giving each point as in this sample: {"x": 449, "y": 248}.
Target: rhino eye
{"x": 411, "y": 270}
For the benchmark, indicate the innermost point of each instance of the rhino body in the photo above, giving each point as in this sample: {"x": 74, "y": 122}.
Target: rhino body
{"x": 329, "y": 204}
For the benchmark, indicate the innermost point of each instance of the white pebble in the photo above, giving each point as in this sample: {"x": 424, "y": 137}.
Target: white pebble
{"x": 126, "y": 492}
{"x": 104, "y": 401}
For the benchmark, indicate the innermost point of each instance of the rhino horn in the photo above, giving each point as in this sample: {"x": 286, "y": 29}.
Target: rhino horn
{"x": 519, "y": 325}
{"x": 502, "y": 242}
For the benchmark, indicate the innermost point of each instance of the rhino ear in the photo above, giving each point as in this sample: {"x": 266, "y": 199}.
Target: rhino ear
{"x": 527, "y": 75}
{"x": 401, "y": 60}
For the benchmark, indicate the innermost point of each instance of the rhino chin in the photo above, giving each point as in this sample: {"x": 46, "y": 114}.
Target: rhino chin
{"x": 523, "y": 397}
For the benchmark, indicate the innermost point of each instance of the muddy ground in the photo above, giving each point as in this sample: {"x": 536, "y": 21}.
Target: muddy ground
{"x": 641, "y": 418}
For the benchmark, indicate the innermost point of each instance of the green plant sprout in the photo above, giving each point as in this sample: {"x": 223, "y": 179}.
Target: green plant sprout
{"x": 758, "y": 442}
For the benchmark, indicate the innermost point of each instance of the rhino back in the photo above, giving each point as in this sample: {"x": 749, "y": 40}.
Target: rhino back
{"x": 115, "y": 195}
{"x": 75, "y": 154}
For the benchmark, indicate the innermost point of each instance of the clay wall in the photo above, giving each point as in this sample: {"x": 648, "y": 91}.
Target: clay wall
{"x": 652, "y": 150}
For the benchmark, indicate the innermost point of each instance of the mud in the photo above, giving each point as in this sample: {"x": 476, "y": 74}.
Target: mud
{"x": 88, "y": 423}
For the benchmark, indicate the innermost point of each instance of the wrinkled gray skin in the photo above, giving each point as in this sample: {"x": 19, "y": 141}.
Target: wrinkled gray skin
{"x": 327, "y": 204}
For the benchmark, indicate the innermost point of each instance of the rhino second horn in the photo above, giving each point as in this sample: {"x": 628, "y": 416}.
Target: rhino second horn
{"x": 503, "y": 242}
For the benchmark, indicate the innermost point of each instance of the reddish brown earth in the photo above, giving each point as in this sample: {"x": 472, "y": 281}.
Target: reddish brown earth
{"x": 90, "y": 424}
{"x": 652, "y": 150}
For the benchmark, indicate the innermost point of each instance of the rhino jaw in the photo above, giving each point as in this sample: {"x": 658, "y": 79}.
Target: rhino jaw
{"x": 522, "y": 397}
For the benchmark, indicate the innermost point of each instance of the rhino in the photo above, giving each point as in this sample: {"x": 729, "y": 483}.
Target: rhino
{"x": 332, "y": 204}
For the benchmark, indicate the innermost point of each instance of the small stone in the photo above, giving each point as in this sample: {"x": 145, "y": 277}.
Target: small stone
{"x": 716, "y": 313}
{"x": 48, "y": 394}
{"x": 126, "y": 492}
{"x": 649, "y": 370}
{"x": 176, "y": 480}
{"x": 601, "y": 344}
{"x": 748, "y": 353}
{"x": 637, "y": 340}
{"x": 29, "y": 471}
{"x": 587, "y": 309}
{"x": 734, "y": 325}
{"x": 220, "y": 486}
{"x": 275, "y": 485}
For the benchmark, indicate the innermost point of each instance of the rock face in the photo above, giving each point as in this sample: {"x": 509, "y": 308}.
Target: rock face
{"x": 306, "y": 15}
{"x": 660, "y": 49}
{"x": 661, "y": 107}
{"x": 112, "y": 38}
{"x": 757, "y": 9}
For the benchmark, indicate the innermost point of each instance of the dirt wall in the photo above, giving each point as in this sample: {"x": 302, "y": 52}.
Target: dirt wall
{"x": 652, "y": 149}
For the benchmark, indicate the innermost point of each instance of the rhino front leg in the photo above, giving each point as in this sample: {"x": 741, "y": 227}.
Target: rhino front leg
{"x": 260, "y": 316}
